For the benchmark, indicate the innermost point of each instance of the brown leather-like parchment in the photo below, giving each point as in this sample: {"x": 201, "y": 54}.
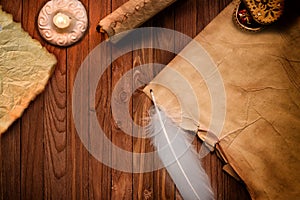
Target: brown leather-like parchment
{"x": 261, "y": 76}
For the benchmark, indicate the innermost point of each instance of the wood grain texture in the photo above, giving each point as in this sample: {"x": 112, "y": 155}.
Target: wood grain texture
{"x": 143, "y": 182}
{"x": 100, "y": 174}
{"x": 77, "y": 157}
{"x": 121, "y": 181}
{"x": 41, "y": 155}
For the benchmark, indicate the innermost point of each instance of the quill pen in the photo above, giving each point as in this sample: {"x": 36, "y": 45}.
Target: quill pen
{"x": 178, "y": 156}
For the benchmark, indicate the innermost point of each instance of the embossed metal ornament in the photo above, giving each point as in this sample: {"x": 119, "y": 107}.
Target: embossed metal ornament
{"x": 254, "y": 15}
{"x": 62, "y": 22}
{"x": 265, "y": 11}
{"x": 244, "y": 20}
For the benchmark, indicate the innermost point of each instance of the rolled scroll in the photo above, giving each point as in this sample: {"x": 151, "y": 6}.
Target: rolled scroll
{"x": 131, "y": 15}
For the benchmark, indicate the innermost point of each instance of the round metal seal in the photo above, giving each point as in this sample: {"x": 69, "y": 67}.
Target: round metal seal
{"x": 62, "y": 22}
{"x": 265, "y": 11}
{"x": 244, "y": 20}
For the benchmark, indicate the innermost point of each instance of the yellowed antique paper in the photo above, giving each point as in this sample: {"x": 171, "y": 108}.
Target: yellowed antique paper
{"x": 261, "y": 75}
{"x": 25, "y": 67}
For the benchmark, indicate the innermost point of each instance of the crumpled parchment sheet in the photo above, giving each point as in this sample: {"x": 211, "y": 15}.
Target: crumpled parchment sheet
{"x": 261, "y": 76}
{"x": 25, "y": 67}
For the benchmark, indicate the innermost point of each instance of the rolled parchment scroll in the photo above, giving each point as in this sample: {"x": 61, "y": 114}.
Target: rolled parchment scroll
{"x": 130, "y": 15}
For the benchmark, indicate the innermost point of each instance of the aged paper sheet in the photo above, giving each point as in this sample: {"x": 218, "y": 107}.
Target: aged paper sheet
{"x": 261, "y": 76}
{"x": 25, "y": 67}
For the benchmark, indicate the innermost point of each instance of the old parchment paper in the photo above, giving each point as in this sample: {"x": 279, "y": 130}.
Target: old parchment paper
{"x": 25, "y": 67}
{"x": 261, "y": 75}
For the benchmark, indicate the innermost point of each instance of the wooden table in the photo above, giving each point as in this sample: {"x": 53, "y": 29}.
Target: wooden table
{"x": 41, "y": 156}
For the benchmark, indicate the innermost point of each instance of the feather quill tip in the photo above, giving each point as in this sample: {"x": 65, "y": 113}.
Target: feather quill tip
{"x": 178, "y": 156}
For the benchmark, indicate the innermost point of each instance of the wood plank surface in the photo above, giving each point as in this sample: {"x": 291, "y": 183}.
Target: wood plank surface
{"x": 41, "y": 155}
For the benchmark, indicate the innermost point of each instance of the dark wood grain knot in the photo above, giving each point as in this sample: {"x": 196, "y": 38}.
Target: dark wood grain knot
{"x": 147, "y": 194}
{"x": 123, "y": 96}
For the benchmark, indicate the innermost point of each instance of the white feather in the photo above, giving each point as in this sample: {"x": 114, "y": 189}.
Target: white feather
{"x": 178, "y": 156}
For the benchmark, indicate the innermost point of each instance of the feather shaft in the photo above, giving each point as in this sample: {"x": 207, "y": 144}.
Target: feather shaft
{"x": 180, "y": 159}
